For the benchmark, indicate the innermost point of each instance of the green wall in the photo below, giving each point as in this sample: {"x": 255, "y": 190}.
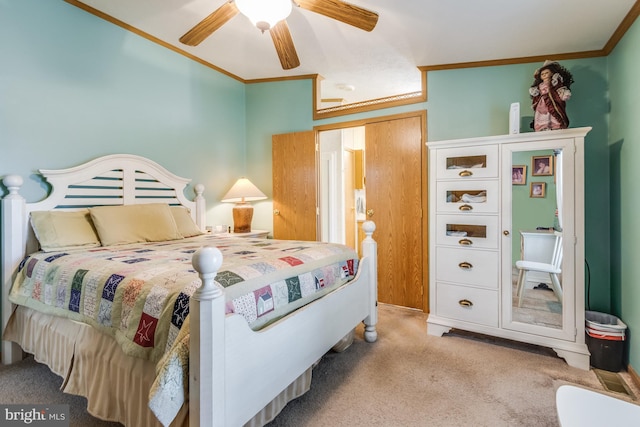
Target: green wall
{"x": 74, "y": 87}
{"x": 624, "y": 152}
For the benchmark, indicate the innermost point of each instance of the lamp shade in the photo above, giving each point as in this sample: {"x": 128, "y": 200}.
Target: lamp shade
{"x": 243, "y": 191}
{"x": 264, "y": 14}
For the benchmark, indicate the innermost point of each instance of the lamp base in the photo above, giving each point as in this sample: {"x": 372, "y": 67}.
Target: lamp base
{"x": 242, "y": 215}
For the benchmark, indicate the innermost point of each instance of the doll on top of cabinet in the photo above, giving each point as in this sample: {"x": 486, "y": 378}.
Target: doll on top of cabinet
{"x": 549, "y": 93}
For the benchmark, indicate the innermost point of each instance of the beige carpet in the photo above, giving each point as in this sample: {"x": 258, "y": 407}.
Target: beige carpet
{"x": 407, "y": 378}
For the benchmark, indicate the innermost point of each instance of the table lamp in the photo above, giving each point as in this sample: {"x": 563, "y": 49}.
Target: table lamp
{"x": 243, "y": 191}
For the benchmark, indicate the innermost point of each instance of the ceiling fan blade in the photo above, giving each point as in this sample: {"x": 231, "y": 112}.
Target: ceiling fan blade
{"x": 342, "y": 11}
{"x": 208, "y": 25}
{"x": 283, "y": 42}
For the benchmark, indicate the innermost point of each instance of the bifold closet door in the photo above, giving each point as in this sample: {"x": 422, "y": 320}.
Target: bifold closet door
{"x": 294, "y": 186}
{"x": 395, "y": 178}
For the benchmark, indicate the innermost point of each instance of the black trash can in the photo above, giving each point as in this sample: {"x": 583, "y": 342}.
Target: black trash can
{"x": 605, "y": 338}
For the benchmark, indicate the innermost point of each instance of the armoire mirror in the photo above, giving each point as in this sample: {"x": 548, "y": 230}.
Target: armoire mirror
{"x": 538, "y": 265}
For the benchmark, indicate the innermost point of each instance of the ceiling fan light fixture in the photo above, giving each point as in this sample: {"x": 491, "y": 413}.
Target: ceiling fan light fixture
{"x": 264, "y": 14}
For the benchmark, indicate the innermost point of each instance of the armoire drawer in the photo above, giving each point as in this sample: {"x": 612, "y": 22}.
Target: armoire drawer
{"x": 467, "y": 231}
{"x": 466, "y": 197}
{"x": 468, "y": 266}
{"x": 467, "y": 162}
{"x": 467, "y": 304}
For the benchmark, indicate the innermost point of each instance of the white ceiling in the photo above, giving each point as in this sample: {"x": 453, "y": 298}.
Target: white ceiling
{"x": 358, "y": 65}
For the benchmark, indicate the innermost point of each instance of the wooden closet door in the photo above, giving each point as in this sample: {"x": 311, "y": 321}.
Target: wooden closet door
{"x": 395, "y": 175}
{"x": 350, "y": 200}
{"x": 294, "y": 186}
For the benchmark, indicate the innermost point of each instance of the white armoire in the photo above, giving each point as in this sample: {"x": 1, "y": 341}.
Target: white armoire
{"x": 477, "y": 220}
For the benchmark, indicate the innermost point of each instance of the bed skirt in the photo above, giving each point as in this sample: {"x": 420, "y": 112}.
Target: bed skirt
{"x": 92, "y": 365}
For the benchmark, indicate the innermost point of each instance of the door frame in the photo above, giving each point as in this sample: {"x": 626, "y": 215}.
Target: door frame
{"x": 422, "y": 114}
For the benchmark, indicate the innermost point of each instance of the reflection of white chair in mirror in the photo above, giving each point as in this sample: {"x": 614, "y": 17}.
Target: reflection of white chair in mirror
{"x": 553, "y": 269}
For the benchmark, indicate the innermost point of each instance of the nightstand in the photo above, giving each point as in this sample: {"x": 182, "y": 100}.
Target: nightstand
{"x": 259, "y": 234}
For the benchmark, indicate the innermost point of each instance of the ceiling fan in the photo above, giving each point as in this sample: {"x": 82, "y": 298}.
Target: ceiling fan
{"x": 270, "y": 15}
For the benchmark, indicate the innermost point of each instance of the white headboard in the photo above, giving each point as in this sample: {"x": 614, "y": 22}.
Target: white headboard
{"x": 117, "y": 179}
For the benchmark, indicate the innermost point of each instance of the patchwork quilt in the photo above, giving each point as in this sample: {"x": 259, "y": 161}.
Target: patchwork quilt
{"x": 140, "y": 293}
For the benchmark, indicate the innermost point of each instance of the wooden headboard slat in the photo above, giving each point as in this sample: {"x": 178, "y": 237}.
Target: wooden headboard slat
{"x": 152, "y": 186}
{"x": 168, "y": 200}
{"x": 87, "y": 202}
{"x": 100, "y": 183}
{"x": 88, "y": 192}
{"x": 161, "y": 194}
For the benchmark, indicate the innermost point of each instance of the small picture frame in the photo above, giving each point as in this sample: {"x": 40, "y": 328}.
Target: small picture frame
{"x": 538, "y": 189}
{"x": 542, "y": 166}
{"x": 519, "y": 174}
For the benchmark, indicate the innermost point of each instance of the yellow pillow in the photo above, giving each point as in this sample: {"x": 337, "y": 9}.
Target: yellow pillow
{"x": 119, "y": 225}
{"x": 64, "y": 230}
{"x": 185, "y": 223}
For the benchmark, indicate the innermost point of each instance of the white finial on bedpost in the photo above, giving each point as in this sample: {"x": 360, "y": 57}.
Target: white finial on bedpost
{"x": 13, "y": 234}
{"x": 370, "y": 251}
{"x": 13, "y": 184}
{"x": 207, "y": 261}
{"x": 201, "y": 220}
{"x": 207, "y": 340}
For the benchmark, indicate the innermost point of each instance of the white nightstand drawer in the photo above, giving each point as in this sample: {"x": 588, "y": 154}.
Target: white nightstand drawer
{"x": 467, "y": 162}
{"x": 467, "y": 196}
{"x": 467, "y": 231}
{"x": 468, "y": 267}
{"x": 467, "y": 304}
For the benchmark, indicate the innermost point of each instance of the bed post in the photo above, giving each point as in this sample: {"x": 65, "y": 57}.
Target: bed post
{"x": 14, "y": 237}
{"x": 370, "y": 251}
{"x": 201, "y": 214}
{"x": 207, "y": 340}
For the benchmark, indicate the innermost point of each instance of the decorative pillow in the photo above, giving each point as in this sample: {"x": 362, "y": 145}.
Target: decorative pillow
{"x": 186, "y": 226}
{"x": 64, "y": 230}
{"x": 119, "y": 225}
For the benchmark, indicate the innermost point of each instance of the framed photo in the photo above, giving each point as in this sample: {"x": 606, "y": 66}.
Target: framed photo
{"x": 519, "y": 174}
{"x": 538, "y": 189}
{"x": 541, "y": 165}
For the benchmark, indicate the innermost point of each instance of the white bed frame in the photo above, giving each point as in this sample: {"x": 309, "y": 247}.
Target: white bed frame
{"x": 223, "y": 356}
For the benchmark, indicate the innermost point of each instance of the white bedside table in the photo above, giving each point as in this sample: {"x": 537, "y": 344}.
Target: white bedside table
{"x": 260, "y": 234}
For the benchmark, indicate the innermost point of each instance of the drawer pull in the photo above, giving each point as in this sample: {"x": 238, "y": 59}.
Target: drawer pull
{"x": 465, "y": 173}
{"x": 466, "y": 208}
{"x": 465, "y": 303}
{"x": 465, "y": 242}
{"x": 465, "y": 265}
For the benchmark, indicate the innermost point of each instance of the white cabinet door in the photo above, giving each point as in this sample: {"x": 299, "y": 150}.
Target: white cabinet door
{"x": 541, "y": 311}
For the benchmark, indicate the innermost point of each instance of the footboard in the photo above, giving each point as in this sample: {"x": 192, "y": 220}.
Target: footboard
{"x": 235, "y": 372}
